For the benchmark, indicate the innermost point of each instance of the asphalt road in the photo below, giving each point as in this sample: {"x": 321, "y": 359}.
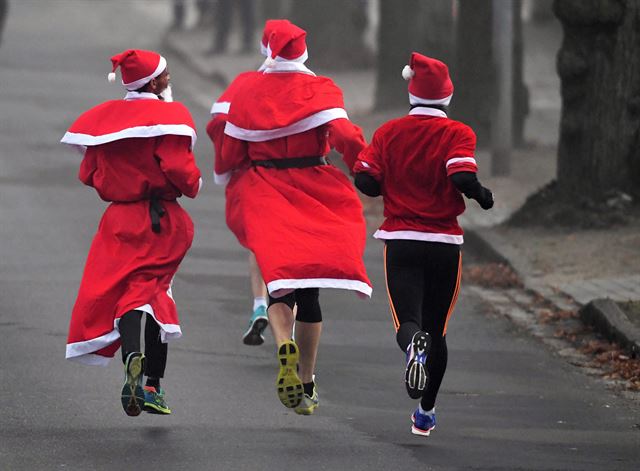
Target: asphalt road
{"x": 506, "y": 401}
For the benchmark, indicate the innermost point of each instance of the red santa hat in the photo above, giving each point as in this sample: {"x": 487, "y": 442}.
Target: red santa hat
{"x": 429, "y": 81}
{"x": 137, "y": 67}
{"x": 287, "y": 43}
{"x": 269, "y": 27}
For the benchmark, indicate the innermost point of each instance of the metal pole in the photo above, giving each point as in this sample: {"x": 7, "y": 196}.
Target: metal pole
{"x": 501, "y": 125}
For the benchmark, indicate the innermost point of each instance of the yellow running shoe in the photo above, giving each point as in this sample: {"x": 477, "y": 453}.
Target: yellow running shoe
{"x": 132, "y": 395}
{"x": 308, "y": 404}
{"x": 154, "y": 401}
{"x": 288, "y": 384}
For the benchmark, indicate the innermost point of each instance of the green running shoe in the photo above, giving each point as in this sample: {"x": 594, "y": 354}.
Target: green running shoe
{"x": 288, "y": 384}
{"x": 309, "y": 404}
{"x": 132, "y": 396}
{"x": 154, "y": 402}
{"x": 257, "y": 324}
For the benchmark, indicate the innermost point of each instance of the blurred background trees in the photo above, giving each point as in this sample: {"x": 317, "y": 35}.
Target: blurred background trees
{"x": 599, "y": 68}
{"x": 598, "y": 171}
{"x": 598, "y": 65}
{"x": 460, "y": 33}
{"x": 4, "y": 6}
{"x": 416, "y": 26}
{"x": 335, "y": 32}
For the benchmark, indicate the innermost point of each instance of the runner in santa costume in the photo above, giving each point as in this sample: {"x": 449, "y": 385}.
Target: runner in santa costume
{"x": 215, "y": 129}
{"x": 422, "y": 164}
{"x": 295, "y": 211}
{"x": 137, "y": 155}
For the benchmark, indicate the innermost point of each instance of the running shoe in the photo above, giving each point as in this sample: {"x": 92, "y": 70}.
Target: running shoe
{"x": 258, "y": 323}
{"x": 423, "y": 423}
{"x": 132, "y": 396}
{"x": 416, "y": 376}
{"x": 308, "y": 404}
{"x": 288, "y": 384}
{"x": 154, "y": 402}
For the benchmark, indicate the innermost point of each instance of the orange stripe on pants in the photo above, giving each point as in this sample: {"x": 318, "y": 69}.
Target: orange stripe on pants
{"x": 455, "y": 294}
{"x": 396, "y": 322}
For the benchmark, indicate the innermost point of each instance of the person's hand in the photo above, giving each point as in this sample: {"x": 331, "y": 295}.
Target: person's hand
{"x": 486, "y": 198}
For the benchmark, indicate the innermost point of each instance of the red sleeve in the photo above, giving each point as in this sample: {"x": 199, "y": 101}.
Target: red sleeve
{"x": 370, "y": 159}
{"x": 178, "y": 163}
{"x": 215, "y": 131}
{"x": 346, "y": 138}
{"x": 234, "y": 155}
{"x": 460, "y": 156}
{"x": 87, "y": 168}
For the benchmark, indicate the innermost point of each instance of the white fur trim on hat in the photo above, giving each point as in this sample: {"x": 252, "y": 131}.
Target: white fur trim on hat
{"x": 407, "y": 73}
{"x": 302, "y": 58}
{"x": 162, "y": 64}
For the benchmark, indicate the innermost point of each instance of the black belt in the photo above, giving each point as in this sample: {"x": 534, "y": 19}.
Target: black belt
{"x": 156, "y": 211}
{"x": 295, "y": 162}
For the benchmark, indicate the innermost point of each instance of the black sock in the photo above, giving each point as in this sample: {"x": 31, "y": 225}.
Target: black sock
{"x": 308, "y": 388}
{"x": 154, "y": 382}
{"x": 129, "y": 327}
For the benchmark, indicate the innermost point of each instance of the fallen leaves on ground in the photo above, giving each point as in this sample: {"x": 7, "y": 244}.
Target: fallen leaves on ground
{"x": 492, "y": 275}
{"x": 613, "y": 362}
{"x": 547, "y": 316}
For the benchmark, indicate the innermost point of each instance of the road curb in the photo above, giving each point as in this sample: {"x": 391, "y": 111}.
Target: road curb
{"x": 602, "y": 314}
{"x": 611, "y": 321}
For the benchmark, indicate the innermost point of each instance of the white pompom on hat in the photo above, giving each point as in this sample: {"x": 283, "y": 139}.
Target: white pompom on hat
{"x": 137, "y": 67}
{"x": 429, "y": 81}
{"x": 407, "y": 72}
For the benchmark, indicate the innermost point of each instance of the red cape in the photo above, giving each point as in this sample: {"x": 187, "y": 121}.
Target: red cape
{"x": 121, "y": 119}
{"x": 222, "y": 104}
{"x": 271, "y": 105}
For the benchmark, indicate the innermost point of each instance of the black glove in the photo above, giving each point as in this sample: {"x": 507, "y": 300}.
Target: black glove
{"x": 486, "y": 198}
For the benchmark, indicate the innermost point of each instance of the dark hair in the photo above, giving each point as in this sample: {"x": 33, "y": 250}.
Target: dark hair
{"x": 143, "y": 88}
{"x": 444, "y": 109}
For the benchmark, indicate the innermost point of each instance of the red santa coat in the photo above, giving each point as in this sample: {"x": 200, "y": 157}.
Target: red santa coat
{"x": 219, "y": 113}
{"x": 412, "y": 158}
{"x": 305, "y": 225}
{"x": 135, "y": 148}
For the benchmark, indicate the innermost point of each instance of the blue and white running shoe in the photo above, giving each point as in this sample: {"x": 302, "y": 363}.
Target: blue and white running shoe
{"x": 423, "y": 423}
{"x": 416, "y": 376}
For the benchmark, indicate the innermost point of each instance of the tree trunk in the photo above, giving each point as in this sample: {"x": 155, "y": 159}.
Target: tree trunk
{"x": 475, "y": 71}
{"x": 412, "y": 25}
{"x": 598, "y": 165}
{"x": 335, "y": 30}
{"x": 542, "y": 10}
{"x": 599, "y": 68}
{"x": 474, "y": 95}
{"x": 4, "y": 7}
{"x": 520, "y": 90}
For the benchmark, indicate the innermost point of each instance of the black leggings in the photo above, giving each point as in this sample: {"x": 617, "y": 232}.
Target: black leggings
{"x": 308, "y": 301}
{"x": 423, "y": 280}
{"x": 154, "y": 350}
